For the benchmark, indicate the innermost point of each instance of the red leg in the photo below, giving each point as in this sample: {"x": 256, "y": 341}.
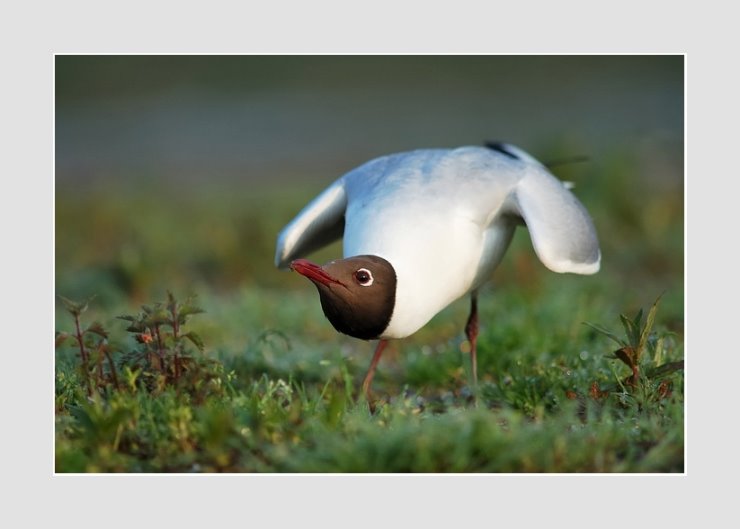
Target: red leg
{"x": 371, "y": 370}
{"x": 471, "y": 331}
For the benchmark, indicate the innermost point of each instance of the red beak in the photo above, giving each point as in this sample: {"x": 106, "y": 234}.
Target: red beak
{"x": 313, "y": 272}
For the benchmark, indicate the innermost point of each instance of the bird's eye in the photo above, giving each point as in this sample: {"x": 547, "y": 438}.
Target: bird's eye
{"x": 364, "y": 277}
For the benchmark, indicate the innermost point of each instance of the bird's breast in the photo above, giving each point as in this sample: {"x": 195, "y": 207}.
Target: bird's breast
{"x": 437, "y": 259}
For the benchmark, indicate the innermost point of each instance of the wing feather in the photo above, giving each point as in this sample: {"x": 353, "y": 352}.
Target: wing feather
{"x": 562, "y": 232}
{"x": 318, "y": 224}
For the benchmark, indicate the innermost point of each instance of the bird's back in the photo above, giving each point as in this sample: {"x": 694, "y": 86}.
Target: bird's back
{"x": 468, "y": 181}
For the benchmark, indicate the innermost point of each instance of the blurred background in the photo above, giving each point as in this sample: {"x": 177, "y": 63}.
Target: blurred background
{"x": 252, "y": 119}
{"x": 177, "y": 172}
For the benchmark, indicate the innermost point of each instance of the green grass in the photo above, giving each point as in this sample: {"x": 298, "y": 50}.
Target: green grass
{"x": 279, "y": 392}
{"x": 287, "y": 402}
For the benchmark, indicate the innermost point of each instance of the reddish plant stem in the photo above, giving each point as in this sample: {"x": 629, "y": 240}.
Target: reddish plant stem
{"x": 160, "y": 349}
{"x": 99, "y": 364}
{"x": 83, "y": 354}
{"x": 112, "y": 366}
{"x": 175, "y": 331}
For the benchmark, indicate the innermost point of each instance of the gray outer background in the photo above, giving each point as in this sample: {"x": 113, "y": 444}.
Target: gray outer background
{"x": 30, "y": 37}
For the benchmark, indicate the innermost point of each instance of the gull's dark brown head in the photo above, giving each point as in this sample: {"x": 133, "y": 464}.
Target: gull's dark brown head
{"x": 357, "y": 294}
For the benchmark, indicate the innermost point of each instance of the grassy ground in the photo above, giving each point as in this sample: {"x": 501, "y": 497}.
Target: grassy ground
{"x": 275, "y": 388}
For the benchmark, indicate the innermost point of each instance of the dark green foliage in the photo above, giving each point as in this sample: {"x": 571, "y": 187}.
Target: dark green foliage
{"x": 94, "y": 350}
{"x": 160, "y": 358}
{"x": 162, "y": 354}
{"x": 542, "y": 412}
{"x": 642, "y": 350}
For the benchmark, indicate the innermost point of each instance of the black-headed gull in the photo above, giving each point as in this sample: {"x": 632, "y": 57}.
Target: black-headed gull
{"x": 423, "y": 228}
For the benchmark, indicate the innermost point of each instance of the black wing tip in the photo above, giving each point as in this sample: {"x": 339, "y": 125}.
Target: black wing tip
{"x": 501, "y": 147}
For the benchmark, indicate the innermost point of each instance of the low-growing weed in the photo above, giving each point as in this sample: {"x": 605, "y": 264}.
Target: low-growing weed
{"x": 164, "y": 354}
{"x": 170, "y": 408}
{"x": 648, "y": 356}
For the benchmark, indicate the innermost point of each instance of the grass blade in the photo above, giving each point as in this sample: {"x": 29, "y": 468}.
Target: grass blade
{"x": 649, "y": 323}
{"x": 605, "y": 332}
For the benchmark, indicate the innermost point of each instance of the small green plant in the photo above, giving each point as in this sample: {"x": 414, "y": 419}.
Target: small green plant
{"x": 639, "y": 340}
{"x": 159, "y": 330}
{"x": 93, "y": 347}
{"x": 161, "y": 358}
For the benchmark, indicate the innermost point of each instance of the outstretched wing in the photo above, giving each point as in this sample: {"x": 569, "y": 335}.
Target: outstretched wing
{"x": 318, "y": 224}
{"x": 562, "y": 232}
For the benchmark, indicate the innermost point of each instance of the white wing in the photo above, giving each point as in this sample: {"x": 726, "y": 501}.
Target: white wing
{"x": 562, "y": 232}
{"x": 318, "y": 224}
